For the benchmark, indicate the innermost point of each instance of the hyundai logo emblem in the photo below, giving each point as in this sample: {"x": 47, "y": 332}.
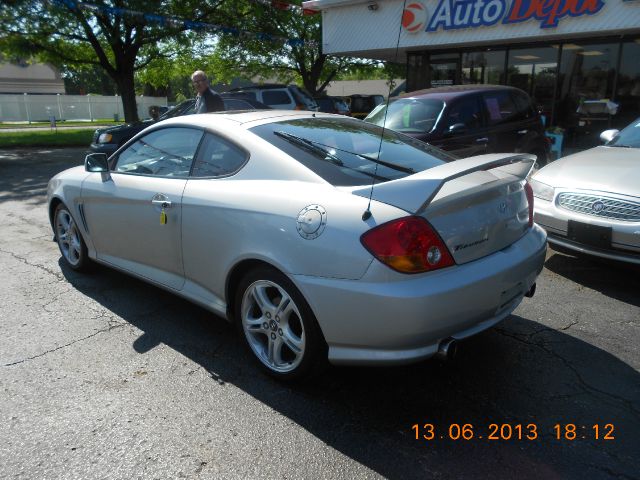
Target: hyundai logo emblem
{"x": 597, "y": 207}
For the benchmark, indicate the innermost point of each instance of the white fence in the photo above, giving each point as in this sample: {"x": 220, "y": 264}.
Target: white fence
{"x": 38, "y": 108}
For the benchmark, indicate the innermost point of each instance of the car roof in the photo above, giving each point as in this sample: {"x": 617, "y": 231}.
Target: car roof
{"x": 260, "y": 87}
{"x": 452, "y": 91}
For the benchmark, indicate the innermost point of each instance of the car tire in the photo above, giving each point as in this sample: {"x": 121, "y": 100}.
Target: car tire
{"x": 70, "y": 241}
{"x": 278, "y": 326}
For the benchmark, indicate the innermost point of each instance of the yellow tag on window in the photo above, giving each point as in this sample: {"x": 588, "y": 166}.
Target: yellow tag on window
{"x": 163, "y": 218}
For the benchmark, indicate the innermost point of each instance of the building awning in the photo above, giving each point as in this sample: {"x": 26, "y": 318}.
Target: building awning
{"x": 319, "y": 5}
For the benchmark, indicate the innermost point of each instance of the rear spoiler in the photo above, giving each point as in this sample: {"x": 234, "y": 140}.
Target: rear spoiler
{"x": 415, "y": 192}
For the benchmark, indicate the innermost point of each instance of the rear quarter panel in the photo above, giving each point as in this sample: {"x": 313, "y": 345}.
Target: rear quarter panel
{"x": 226, "y": 222}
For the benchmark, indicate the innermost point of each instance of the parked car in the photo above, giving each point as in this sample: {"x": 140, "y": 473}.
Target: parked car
{"x": 331, "y": 104}
{"x": 362, "y": 105}
{"x": 589, "y": 202}
{"x": 109, "y": 139}
{"x": 468, "y": 120}
{"x": 286, "y": 97}
{"x": 269, "y": 219}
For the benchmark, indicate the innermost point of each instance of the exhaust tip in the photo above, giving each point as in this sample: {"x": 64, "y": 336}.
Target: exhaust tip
{"x": 531, "y": 292}
{"x": 448, "y": 349}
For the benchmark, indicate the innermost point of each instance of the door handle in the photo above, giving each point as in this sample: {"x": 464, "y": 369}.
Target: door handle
{"x": 162, "y": 203}
{"x": 522, "y": 132}
{"x": 482, "y": 140}
{"x": 160, "y": 200}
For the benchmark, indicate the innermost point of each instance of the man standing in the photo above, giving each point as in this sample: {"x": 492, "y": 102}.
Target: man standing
{"x": 207, "y": 99}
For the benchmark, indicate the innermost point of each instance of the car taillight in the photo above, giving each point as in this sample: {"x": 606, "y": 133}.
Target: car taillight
{"x": 407, "y": 245}
{"x": 529, "y": 191}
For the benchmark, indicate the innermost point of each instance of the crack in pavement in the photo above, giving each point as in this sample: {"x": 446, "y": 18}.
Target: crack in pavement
{"x": 105, "y": 330}
{"x": 56, "y": 299}
{"x": 627, "y": 404}
{"x": 59, "y": 276}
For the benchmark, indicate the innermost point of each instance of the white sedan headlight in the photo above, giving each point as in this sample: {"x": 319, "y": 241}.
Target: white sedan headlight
{"x": 105, "y": 138}
{"x": 542, "y": 190}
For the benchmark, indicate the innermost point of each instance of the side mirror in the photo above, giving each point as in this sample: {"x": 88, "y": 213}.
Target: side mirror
{"x": 96, "y": 162}
{"x": 608, "y": 135}
{"x": 457, "y": 129}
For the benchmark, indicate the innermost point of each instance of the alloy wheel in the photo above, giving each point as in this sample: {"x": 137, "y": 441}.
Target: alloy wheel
{"x": 68, "y": 237}
{"x": 273, "y": 326}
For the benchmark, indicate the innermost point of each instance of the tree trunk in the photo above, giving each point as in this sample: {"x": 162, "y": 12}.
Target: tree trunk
{"x": 128, "y": 93}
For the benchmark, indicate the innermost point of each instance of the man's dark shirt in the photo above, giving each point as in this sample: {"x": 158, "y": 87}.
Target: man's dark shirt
{"x": 210, "y": 102}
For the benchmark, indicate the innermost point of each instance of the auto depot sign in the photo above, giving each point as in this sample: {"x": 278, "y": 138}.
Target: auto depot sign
{"x": 461, "y": 14}
{"x": 382, "y": 28}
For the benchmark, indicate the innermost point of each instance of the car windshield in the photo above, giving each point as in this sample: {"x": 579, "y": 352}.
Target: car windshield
{"x": 346, "y": 151}
{"x": 408, "y": 115}
{"x": 180, "y": 109}
{"x": 629, "y": 137}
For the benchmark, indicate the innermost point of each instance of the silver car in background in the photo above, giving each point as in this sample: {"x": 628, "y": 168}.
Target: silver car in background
{"x": 589, "y": 202}
{"x": 320, "y": 236}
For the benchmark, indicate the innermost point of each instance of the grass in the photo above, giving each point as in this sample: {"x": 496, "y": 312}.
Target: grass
{"x": 61, "y": 138}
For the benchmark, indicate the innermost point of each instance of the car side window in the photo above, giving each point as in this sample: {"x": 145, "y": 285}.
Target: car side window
{"x": 218, "y": 157}
{"x": 500, "y": 107}
{"x": 236, "y": 104}
{"x": 524, "y": 105}
{"x": 243, "y": 94}
{"x": 275, "y": 97}
{"x": 167, "y": 152}
{"x": 467, "y": 112}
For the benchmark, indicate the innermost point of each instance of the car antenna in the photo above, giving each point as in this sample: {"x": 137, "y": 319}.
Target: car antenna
{"x": 366, "y": 215}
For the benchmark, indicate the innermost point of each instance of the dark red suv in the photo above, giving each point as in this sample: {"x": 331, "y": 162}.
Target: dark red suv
{"x": 468, "y": 120}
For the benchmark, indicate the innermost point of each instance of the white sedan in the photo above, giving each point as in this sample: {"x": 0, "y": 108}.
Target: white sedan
{"x": 589, "y": 202}
{"x": 320, "y": 236}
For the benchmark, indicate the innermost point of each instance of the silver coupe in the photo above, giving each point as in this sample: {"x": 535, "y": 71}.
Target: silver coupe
{"x": 320, "y": 236}
{"x": 589, "y": 202}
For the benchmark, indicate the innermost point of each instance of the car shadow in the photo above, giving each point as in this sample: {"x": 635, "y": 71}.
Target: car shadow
{"x": 27, "y": 171}
{"x": 521, "y": 374}
{"x": 613, "y": 279}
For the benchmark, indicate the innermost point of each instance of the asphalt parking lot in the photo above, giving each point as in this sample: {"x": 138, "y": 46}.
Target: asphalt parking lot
{"x": 103, "y": 376}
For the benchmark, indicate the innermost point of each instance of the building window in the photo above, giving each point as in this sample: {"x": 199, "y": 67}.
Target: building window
{"x": 416, "y": 72}
{"x": 443, "y": 69}
{"x": 587, "y": 76}
{"x": 483, "y": 67}
{"x": 535, "y": 71}
{"x": 628, "y": 89}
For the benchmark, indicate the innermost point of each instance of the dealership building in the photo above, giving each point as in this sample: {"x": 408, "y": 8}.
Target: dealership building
{"x": 578, "y": 59}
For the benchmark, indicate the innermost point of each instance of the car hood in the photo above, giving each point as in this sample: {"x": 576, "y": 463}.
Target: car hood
{"x": 127, "y": 127}
{"x": 609, "y": 169}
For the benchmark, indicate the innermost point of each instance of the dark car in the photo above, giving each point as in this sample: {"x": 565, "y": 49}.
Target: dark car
{"x": 331, "y": 104}
{"x": 361, "y": 105}
{"x": 280, "y": 96}
{"x": 108, "y": 140}
{"x": 468, "y": 120}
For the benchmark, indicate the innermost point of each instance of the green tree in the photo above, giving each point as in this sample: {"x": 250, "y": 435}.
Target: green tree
{"x": 267, "y": 54}
{"x": 68, "y": 33}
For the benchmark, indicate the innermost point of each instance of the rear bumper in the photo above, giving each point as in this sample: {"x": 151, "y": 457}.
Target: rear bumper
{"x": 390, "y": 318}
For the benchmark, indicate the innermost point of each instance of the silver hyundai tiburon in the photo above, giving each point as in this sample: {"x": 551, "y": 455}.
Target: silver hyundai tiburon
{"x": 320, "y": 236}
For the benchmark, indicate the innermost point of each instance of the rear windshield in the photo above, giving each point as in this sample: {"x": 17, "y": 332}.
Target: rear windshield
{"x": 408, "y": 115}
{"x": 346, "y": 151}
